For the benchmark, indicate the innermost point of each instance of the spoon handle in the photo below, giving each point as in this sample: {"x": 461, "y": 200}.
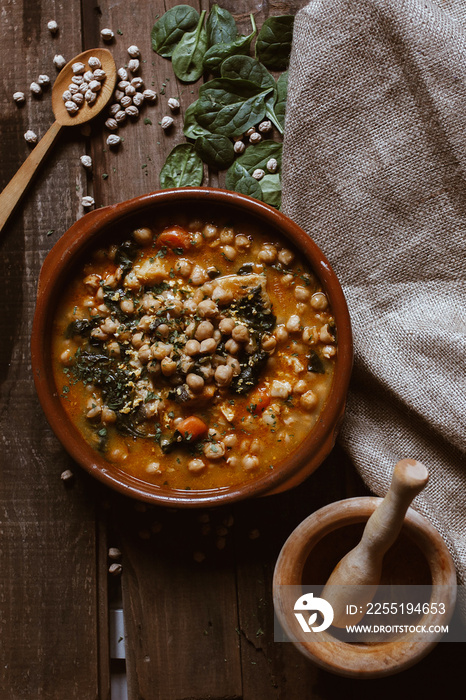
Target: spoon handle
{"x": 13, "y": 192}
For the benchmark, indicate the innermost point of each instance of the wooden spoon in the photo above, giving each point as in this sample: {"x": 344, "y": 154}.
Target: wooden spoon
{"x": 355, "y": 578}
{"x": 13, "y": 192}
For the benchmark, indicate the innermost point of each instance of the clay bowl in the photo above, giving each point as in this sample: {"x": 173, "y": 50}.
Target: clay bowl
{"x": 418, "y": 558}
{"x": 95, "y": 228}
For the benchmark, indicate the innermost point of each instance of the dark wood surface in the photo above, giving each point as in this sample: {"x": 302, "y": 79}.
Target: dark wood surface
{"x": 195, "y": 629}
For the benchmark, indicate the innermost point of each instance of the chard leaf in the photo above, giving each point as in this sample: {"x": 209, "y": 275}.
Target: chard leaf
{"x": 230, "y": 107}
{"x": 273, "y": 46}
{"x": 183, "y": 168}
{"x": 189, "y": 53}
{"x": 215, "y": 150}
{"x": 219, "y": 52}
{"x": 221, "y": 26}
{"x": 169, "y": 29}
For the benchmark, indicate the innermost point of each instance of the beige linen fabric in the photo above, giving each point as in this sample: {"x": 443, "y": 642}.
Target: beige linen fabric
{"x": 374, "y": 170}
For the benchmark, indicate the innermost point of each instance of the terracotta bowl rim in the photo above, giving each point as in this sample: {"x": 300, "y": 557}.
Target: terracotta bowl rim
{"x": 64, "y": 254}
{"x": 335, "y": 655}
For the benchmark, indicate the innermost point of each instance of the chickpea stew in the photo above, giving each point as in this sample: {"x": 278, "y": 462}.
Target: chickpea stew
{"x": 194, "y": 353}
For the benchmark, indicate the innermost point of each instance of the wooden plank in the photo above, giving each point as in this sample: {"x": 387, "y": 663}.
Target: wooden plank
{"x": 47, "y": 571}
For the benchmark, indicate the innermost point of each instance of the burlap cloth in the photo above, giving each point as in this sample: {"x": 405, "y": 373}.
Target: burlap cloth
{"x": 374, "y": 170}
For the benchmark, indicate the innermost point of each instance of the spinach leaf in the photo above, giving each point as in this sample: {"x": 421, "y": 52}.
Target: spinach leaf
{"x": 169, "y": 29}
{"x": 251, "y": 369}
{"x": 82, "y": 327}
{"x": 125, "y": 255}
{"x": 219, "y": 52}
{"x": 271, "y": 187}
{"x": 253, "y": 158}
{"x": 215, "y": 150}
{"x": 247, "y": 68}
{"x": 280, "y": 102}
{"x": 189, "y": 53}
{"x": 253, "y": 310}
{"x": 273, "y": 44}
{"x": 239, "y": 180}
{"x": 192, "y": 129}
{"x": 183, "y": 168}
{"x": 230, "y": 107}
{"x": 315, "y": 363}
{"x": 221, "y": 26}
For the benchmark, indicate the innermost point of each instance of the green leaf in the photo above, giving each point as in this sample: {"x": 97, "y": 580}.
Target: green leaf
{"x": 273, "y": 45}
{"x": 189, "y": 53}
{"x": 280, "y": 102}
{"x": 247, "y": 68}
{"x": 215, "y": 150}
{"x": 230, "y": 107}
{"x": 169, "y": 29}
{"x": 221, "y": 26}
{"x": 192, "y": 129}
{"x": 183, "y": 168}
{"x": 271, "y": 187}
{"x": 239, "y": 180}
{"x": 219, "y": 52}
{"x": 256, "y": 157}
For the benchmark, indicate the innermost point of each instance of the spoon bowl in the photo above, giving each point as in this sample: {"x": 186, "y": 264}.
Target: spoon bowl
{"x": 86, "y": 111}
{"x": 14, "y": 191}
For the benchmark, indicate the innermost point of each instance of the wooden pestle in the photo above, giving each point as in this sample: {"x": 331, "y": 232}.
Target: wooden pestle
{"x": 355, "y": 578}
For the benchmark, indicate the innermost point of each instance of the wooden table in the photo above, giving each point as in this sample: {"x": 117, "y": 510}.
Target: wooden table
{"x": 193, "y": 629}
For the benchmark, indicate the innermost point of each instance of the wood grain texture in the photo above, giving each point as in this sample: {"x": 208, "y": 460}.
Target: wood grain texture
{"x": 48, "y": 577}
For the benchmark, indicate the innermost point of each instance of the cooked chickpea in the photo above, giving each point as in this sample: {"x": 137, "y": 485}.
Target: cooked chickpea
{"x": 285, "y": 256}
{"x": 208, "y": 346}
{"x": 204, "y": 330}
{"x": 217, "y": 336}
{"x": 319, "y": 301}
{"x": 329, "y": 351}
{"x": 230, "y": 440}
{"x": 230, "y": 253}
{"x": 223, "y": 375}
{"x": 65, "y": 357}
{"x": 196, "y": 466}
{"x": 300, "y": 387}
{"x": 163, "y": 330}
{"x": 190, "y": 306}
{"x": 114, "y": 349}
{"x": 137, "y": 340}
{"x": 109, "y": 326}
{"x": 210, "y": 232}
{"x": 250, "y": 462}
{"x": 195, "y": 382}
{"x": 103, "y": 310}
{"x": 240, "y": 333}
{"x": 94, "y": 412}
{"x": 234, "y": 364}
{"x": 150, "y": 304}
{"x": 144, "y": 354}
{"x": 98, "y": 334}
{"x": 325, "y": 335}
{"x": 192, "y": 347}
{"x": 233, "y": 462}
{"x": 207, "y": 308}
{"x": 280, "y": 389}
{"x": 242, "y": 243}
{"x": 268, "y": 255}
{"x": 183, "y": 267}
{"x": 119, "y": 454}
{"x": 256, "y": 447}
{"x": 293, "y": 324}
{"x": 108, "y": 416}
{"x": 92, "y": 283}
{"x": 214, "y": 450}
{"x": 268, "y": 343}
{"x": 143, "y": 236}
{"x": 160, "y": 351}
{"x": 110, "y": 281}
{"x": 227, "y": 236}
{"x": 281, "y": 333}
{"x": 231, "y": 346}
{"x": 198, "y": 275}
{"x": 226, "y": 325}
{"x": 131, "y": 281}
{"x": 168, "y": 366}
{"x": 301, "y": 293}
{"x": 127, "y": 306}
{"x": 310, "y": 335}
{"x": 308, "y": 401}
{"x": 286, "y": 280}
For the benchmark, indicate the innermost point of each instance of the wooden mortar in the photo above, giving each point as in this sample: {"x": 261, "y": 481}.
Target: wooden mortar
{"x": 419, "y": 557}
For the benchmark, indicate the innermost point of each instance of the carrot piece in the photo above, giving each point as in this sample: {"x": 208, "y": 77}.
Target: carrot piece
{"x": 191, "y": 426}
{"x": 175, "y": 237}
{"x": 259, "y": 400}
